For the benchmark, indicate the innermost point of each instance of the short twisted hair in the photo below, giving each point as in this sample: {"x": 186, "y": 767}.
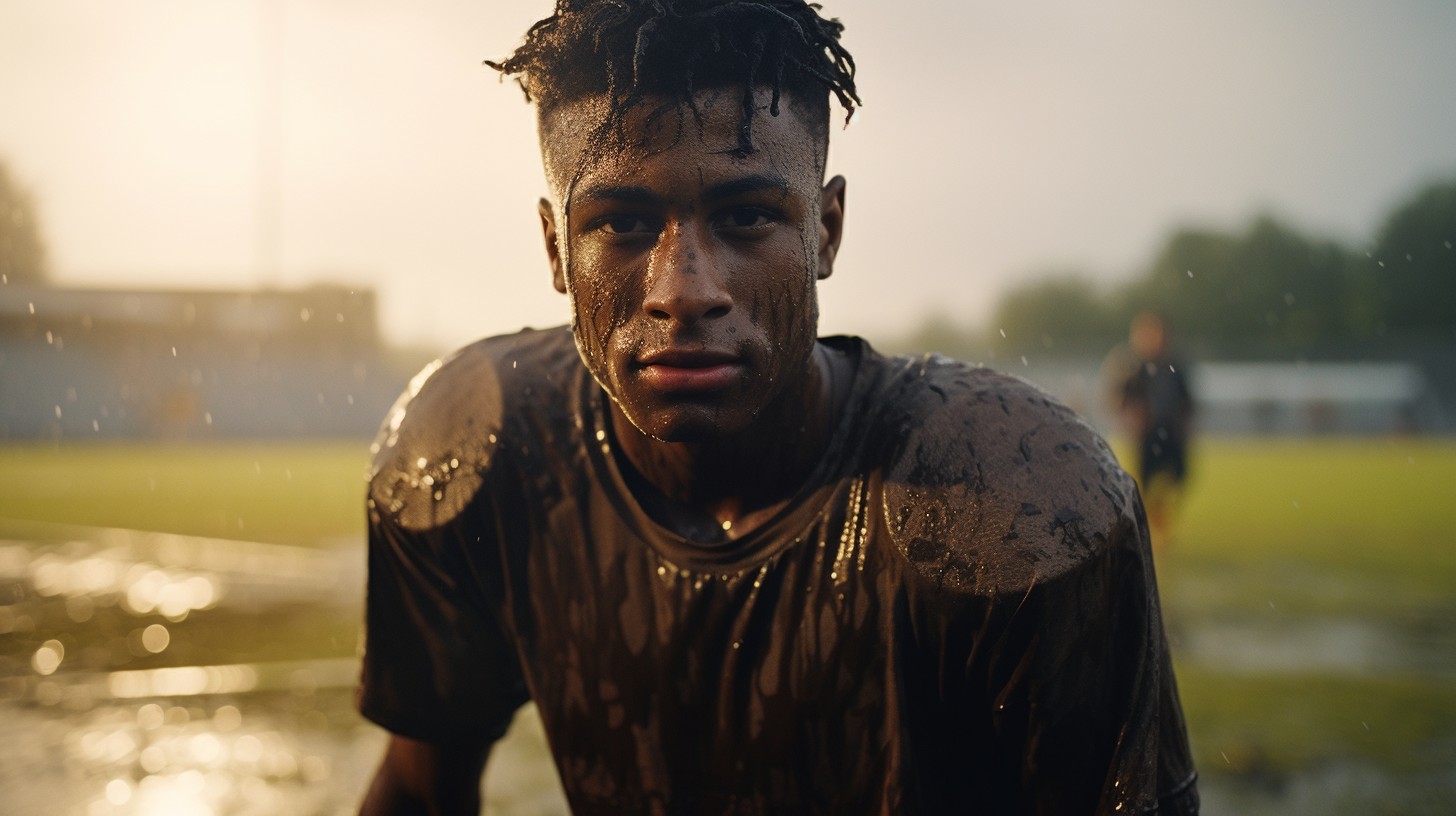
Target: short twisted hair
{"x": 630, "y": 49}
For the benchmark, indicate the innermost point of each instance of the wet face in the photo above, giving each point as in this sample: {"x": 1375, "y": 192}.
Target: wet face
{"x": 692, "y": 267}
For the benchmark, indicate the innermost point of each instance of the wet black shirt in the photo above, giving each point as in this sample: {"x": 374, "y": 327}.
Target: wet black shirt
{"x": 957, "y": 612}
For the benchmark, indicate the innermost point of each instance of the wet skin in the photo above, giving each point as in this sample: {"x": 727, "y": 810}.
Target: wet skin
{"x": 692, "y": 270}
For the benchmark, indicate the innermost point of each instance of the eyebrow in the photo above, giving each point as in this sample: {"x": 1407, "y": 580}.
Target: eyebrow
{"x": 636, "y": 194}
{"x": 627, "y": 193}
{"x": 744, "y": 184}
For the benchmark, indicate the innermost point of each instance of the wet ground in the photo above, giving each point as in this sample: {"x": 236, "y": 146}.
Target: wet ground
{"x": 144, "y": 673}
{"x": 218, "y": 684}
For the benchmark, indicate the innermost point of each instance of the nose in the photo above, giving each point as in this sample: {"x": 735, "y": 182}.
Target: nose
{"x": 682, "y": 284}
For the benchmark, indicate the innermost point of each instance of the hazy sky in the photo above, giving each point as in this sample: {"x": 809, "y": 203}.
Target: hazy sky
{"x": 999, "y": 139}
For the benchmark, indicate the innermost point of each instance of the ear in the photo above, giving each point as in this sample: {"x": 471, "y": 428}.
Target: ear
{"x": 831, "y": 224}
{"x": 553, "y": 252}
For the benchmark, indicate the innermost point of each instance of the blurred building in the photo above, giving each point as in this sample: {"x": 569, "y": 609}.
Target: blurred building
{"x": 1279, "y": 399}
{"x": 1315, "y": 398}
{"x": 89, "y": 363}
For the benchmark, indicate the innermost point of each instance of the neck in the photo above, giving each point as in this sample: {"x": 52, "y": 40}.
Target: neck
{"x": 715, "y": 490}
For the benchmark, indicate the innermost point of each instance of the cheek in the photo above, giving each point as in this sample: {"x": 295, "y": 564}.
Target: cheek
{"x": 602, "y": 304}
{"x": 784, "y": 310}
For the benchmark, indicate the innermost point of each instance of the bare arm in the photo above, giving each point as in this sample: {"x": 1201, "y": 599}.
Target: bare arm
{"x": 426, "y": 779}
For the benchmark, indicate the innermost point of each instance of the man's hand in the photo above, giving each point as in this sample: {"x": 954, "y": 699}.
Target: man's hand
{"x": 427, "y": 779}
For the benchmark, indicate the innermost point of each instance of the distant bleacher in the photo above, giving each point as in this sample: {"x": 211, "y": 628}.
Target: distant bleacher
{"x": 1314, "y": 398}
{"x": 1270, "y": 398}
{"x": 96, "y": 363}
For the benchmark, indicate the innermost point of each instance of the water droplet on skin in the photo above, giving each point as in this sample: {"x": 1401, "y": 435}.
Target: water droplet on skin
{"x": 601, "y": 435}
{"x": 421, "y": 462}
{"x": 727, "y": 525}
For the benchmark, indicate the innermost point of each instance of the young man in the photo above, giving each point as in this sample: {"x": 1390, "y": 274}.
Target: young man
{"x": 738, "y": 568}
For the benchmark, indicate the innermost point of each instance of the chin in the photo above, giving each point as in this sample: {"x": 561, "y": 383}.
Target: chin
{"x": 689, "y": 424}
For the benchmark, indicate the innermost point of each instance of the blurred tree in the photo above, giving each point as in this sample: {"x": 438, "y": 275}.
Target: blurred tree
{"x": 1268, "y": 287}
{"x": 1269, "y": 290}
{"x": 1061, "y": 313}
{"x": 941, "y": 335}
{"x": 1414, "y": 264}
{"x": 22, "y": 252}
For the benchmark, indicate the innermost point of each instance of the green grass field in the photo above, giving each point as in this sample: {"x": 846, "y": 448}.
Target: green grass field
{"x": 1274, "y": 536}
{"x": 300, "y": 493}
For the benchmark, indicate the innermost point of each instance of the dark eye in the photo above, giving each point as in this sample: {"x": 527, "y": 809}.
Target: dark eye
{"x": 747, "y": 217}
{"x": 623, "y": 224}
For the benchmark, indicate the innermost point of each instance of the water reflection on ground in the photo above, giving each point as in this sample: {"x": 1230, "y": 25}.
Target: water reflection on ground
{"x": 143, "y": 673}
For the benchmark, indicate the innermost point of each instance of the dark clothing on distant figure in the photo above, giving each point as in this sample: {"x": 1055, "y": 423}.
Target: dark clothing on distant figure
{"x": 957, "y": 612}
{"x": 1159, "y": 390}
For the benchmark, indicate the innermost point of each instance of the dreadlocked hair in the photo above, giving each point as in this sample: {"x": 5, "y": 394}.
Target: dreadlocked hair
{"x": 628, "y": 50}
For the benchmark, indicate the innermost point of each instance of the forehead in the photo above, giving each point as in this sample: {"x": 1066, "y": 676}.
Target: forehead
{"x": 660, "y": 137}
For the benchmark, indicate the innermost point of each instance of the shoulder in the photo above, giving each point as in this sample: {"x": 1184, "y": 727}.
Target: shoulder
{"x": 990, "y": 484}
{"x": 441, "y": 438}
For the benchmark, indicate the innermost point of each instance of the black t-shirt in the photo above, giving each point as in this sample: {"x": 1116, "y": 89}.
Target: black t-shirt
{"x": 956, "y": 613}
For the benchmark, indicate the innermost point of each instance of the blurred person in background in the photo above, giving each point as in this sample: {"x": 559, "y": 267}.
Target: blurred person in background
{"x": 740, "y": 568}
{"x": 1148, "y": 388}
